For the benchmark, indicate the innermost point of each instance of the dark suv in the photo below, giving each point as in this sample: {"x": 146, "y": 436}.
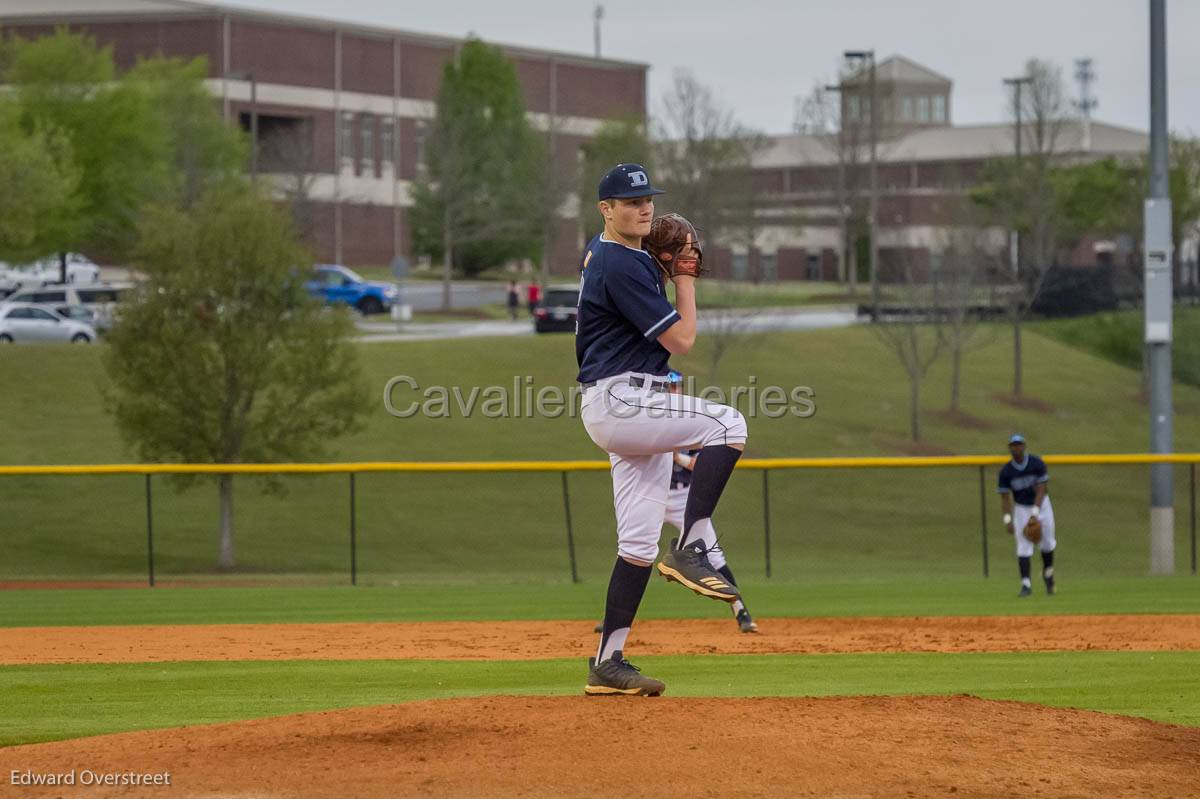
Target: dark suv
{"x": 557, "y": 311}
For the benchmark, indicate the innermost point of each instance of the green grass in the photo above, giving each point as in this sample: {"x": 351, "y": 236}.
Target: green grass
{"x": 864, "y": 524}
{"x": 51, "y": 702}
{"x": 532, "y": 601}
{"x": 1118, "y": 336}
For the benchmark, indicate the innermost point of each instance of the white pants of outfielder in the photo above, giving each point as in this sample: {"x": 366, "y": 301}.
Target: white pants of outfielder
{"x": 1021, "y": 516}
{"x": 676, "y": 504}
{"x": 640, "y": 429}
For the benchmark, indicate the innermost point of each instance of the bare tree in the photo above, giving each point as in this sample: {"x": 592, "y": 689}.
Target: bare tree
{"x": 705, "y": 157}
{"x": 1023, "y": 194}
{"x": 728, "y": 326}
{"x": 290, "y": 156}
{"x": 914, "y": 336}
{"x": 819, "y": 116}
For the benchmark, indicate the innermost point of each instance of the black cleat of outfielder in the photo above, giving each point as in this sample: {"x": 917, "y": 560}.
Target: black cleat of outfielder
{"x": 690, "y": 568}
{"x": 1025, "y": 591}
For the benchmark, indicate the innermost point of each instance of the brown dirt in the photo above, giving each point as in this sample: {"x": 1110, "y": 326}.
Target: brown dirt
{"x": 538, "y": 747}
{"x": 513, "y": 640}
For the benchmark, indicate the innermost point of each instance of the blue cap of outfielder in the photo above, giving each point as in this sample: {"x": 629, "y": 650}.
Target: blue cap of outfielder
{"x": 1016, "y": 438}
{"x": 626, "y": 181}
{"x": 674, "y": 377}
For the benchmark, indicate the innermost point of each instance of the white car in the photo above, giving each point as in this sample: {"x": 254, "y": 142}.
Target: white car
{"x": 102, "y": 299}
{"x": 25, "y": 322}
{"x": 80, "y": 270}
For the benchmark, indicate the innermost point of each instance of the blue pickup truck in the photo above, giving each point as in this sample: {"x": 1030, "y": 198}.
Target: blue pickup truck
{"x": 339, "y": 285}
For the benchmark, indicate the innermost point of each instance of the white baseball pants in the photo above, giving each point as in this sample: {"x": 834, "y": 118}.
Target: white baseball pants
{"x": 640, "y": 428}
{"x": 1021, "y": 516}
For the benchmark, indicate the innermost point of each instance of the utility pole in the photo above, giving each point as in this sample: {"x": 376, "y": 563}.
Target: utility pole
{"x": 873, "y": 178}
{"x": 1086, "y": 102}
{"x": 248, "y": 75}
{"x": 848, "y": 263}
{"x": 1014, "y": 242}
{"x": 1159, "y": 304}
{"x": 597, "y": 15}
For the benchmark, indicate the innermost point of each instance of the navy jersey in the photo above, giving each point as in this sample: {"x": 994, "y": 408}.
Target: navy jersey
{"x": 623, "y": 309}
{"x": 681, "y": 477}
{"x": 1022, "y": 480}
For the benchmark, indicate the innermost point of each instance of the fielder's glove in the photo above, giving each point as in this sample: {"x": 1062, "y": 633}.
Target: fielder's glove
{"x": 669, "y": 236}
{"x": 1033, "y": 530}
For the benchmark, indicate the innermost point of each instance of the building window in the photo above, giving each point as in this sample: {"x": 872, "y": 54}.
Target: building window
{"x": 387, "y": 141}
{"x": 939, "y": 108}
{"x": 766, "y": 264}
{"x": 741, "y": 265}
{"x": 922, "y": 109}
{"x": 813, "y": 264}
{"x": 367, "y": 153}
{"x": 347, "y": 139}
{"x": 906, "y": 109}
{"x": 421, "y": 130}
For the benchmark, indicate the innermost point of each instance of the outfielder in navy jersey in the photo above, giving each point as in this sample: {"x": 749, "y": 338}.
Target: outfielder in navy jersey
{"x": 1024, "y": 493}
{"x": 627, "y": 331}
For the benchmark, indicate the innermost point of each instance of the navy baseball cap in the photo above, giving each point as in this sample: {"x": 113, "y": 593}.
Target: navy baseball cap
{"x": 626, "y": 181}
{"x": 1016, "y": 438}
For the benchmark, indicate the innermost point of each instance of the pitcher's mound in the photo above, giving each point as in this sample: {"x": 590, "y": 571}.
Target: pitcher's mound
{"x": 668, "y": 747}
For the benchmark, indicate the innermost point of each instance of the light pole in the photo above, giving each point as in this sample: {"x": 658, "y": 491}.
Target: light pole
{"x": 873, "y": 179}
{"x": 1014, "y": 239}
{"x": 849, "y": 262}
{"x": 1158, "y": 244}
{"x": 248, "y": 75}
{"x": 597, "y": 15}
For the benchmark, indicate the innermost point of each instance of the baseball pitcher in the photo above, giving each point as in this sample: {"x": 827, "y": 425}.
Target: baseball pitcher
{"x": 626, "y": 332}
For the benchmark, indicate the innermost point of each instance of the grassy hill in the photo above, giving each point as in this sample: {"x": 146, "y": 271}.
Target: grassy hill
{"x": 457, "y": 527}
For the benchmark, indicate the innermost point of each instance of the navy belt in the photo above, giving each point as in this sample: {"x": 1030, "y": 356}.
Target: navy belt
{"x": 637, "y": 382}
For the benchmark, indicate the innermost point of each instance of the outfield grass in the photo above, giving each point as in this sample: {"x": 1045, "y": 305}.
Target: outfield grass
{"x": 57, "y": 702}
{"x": 490, "y": 601}
{"x": 862, "y": 525}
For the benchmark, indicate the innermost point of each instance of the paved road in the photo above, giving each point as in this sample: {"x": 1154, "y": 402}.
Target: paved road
{"x": 743, "y": 321}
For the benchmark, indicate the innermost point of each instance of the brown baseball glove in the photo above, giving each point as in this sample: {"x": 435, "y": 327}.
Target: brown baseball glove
{"x": 675, "y": 246}
{"x": 1033, "y": 530}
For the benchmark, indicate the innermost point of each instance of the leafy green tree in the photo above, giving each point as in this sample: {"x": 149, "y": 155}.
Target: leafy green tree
{"x": 120, "y": 145}
{"x": 618, "y": 141}
{"x": 203, "y": 151}
{"x": 223, "y": 357}
{"x": 485, "y": 197}
{"x": 39, "y": 205}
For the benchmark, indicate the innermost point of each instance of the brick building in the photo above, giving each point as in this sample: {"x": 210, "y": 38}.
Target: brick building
{"x": 926, "y": 167}
{"x": 342, "y": 108}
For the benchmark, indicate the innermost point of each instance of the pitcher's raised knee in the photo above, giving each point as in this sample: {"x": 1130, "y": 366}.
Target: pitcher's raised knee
{"x": 729, "y": 428}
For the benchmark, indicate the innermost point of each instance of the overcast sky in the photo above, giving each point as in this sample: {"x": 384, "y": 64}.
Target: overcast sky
{"x": 759, "y": 55}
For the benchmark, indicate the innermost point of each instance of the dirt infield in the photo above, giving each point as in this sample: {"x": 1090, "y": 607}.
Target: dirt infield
{"x": 512, "y": 640}
{"x": 538, "y": 747}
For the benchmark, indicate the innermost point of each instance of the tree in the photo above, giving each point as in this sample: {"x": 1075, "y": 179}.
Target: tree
{"x": 39, "y": 205}
{"x": 820, "y": 116}
{"x": 1023, "y": 195}
{"x": 486, "y": 198}
{"x": 223, "y": 357}
{"x": 960, "y": 288}
{"x": 705, "y": 156}
{"x": 119, "y": 144}
{"x": 914, "y": 337}
{"x": 618, "y": 141}
{"x": 203, "y": 151}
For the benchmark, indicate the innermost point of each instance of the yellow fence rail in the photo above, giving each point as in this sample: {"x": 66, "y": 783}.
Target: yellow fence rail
{"x": 430, "y": 467}
{"x": 564, "y": 468}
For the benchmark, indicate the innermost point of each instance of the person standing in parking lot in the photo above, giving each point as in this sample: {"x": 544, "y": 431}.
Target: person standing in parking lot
{"x": 534, "y": 295}
{"x": 514, "y": 300}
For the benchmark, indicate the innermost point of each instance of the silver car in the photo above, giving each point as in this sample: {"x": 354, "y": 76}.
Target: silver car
{"x": 25, "y": 322}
